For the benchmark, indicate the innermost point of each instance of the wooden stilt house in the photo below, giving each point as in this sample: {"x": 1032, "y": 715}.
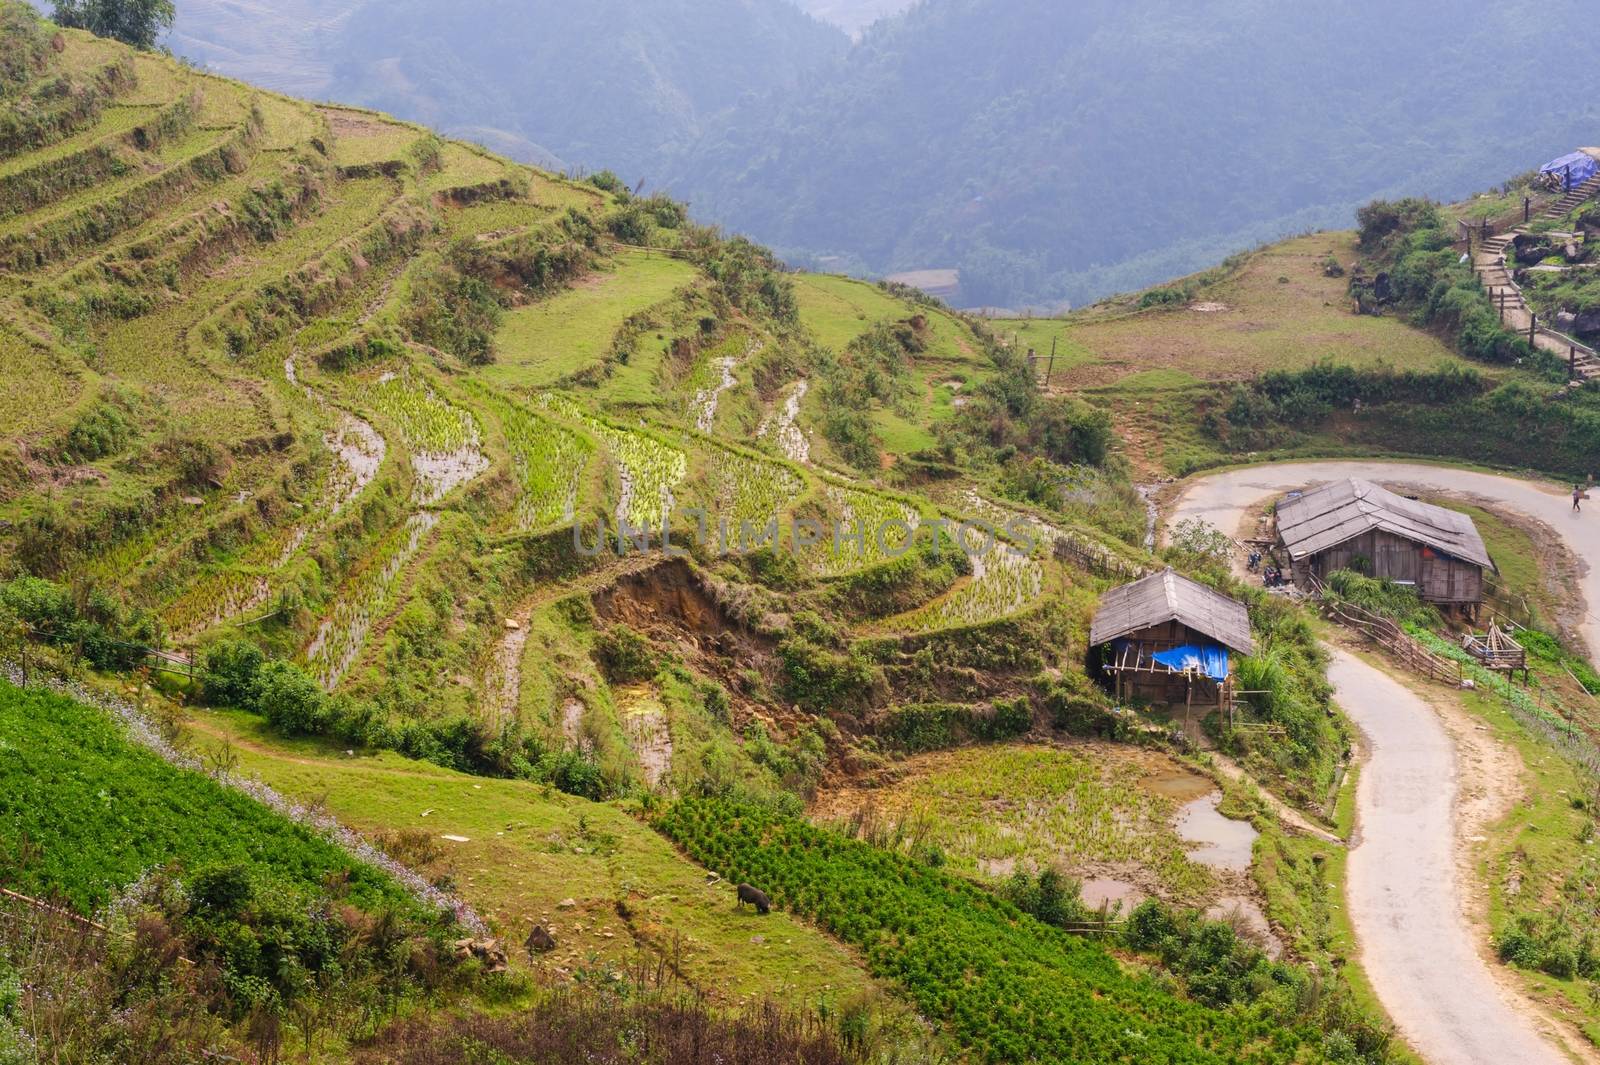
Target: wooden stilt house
{"x": 1168, "y": 640}
{"x": 1356, "y": 525}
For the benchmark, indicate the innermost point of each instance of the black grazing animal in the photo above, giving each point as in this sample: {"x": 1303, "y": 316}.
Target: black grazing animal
{"x": 755, "y": 896}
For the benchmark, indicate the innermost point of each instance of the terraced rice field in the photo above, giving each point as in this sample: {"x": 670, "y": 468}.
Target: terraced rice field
{"x": 873, "y": 530}
{"x": 362, "y": 138}
{"x": 1004, "y": 581}
{"x": 442, "y": 438}
{"x": 782, "y": 428}
{"x": 549, "y": 340}
{"x": 650, "y": 470}
{"x": 37, "y": 387}
{"x": 550, "y": 461}
{"x": 365, "y": 599}
{"x": 750, "y": 489}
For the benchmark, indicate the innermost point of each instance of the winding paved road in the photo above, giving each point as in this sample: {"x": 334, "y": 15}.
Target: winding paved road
{"x": 1418, "y": 950}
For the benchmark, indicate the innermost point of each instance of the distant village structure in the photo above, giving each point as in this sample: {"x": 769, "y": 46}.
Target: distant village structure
{"x": 1168, "y": 640}
{"x": 1356, "y": 525}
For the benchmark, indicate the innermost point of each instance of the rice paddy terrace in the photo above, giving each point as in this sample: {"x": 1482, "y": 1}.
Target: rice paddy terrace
{"x": 319, "y": 378}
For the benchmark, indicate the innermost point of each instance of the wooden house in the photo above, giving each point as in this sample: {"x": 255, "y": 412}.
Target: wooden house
{"x": 1167, "y": 639}
{"x": 1356, "y": 525}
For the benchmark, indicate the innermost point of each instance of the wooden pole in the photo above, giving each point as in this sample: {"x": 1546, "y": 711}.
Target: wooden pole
{"x": 1051, "y": 371}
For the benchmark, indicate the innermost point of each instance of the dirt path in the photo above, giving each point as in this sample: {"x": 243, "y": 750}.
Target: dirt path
{"x": 1432, "y": 780}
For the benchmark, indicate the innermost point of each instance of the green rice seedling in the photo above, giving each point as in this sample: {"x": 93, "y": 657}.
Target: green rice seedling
{"x": 650, "y": 470}
{"x": 549, "y": 460}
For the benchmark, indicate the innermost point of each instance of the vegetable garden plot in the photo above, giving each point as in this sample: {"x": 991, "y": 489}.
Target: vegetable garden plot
{"x": 100, "y": 812}
{"x": 443, "y": 439}
{"x": 650, "y": 471}
{"x": 1008, "y": 987}
{"x": 549, "y": 461}
{"x": 368, "y": 596}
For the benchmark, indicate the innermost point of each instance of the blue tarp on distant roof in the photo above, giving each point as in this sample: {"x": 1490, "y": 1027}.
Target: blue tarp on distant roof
{"x": 1582, "y": 167}
{"x": 1207, "y": 658}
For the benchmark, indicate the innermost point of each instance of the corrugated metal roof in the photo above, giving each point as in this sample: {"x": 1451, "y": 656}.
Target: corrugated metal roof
{"x": 1167, "y": 596}
{"x": 1328, "y": 516}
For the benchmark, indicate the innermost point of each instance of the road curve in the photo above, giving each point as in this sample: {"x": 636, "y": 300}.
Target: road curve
{"x": 1417, "y": 949}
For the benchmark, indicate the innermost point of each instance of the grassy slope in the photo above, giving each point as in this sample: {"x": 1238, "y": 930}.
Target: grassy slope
{"x": 1154, "y": 368}
{"x": 531, "y": 848}
{"x": 1092, "y": 810}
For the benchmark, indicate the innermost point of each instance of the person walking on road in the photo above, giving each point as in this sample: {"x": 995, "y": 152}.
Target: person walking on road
{"x": 1577, "y": 496}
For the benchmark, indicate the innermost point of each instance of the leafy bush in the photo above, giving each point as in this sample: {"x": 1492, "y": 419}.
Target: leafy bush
{"x": 137, "y": 22}
{"x": 86, "y": 620}
{"x": 823, "y": 680}
{"x": 230, "y": 672}
{"x": 625, "y": 656}
{"x": 104, "y": 430}
{"x": 1047, "y": 896}
{"x": 454, "y": 311}
{"x": 291, "y": 701}
{"x": 1382, "y": 597}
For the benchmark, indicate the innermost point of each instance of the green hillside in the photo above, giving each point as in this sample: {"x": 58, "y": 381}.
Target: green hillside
{"x": 563, "y": 548}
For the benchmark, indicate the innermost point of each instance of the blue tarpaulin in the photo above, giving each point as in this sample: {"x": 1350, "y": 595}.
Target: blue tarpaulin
{"x": 1579, "y": 166}
{"x": 1207, "y": 658}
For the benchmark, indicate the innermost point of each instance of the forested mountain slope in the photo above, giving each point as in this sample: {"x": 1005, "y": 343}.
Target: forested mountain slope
{"x": 1064, "y": 151}
{"x": 615, "y": 83}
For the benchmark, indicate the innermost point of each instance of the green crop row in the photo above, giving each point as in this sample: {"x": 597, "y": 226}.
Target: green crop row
{"x": 84, "y": 813}
{"x": 1005, "y": 985}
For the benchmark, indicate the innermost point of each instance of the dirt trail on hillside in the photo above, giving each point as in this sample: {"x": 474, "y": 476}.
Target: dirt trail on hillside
{"x": 1417, "y": 915}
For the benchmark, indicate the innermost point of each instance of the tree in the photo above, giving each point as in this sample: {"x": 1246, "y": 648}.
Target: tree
{"x": 136, "y": 22}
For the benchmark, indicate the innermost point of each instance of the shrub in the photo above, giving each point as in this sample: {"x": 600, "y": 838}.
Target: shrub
{"x": 290, "y": 700}
{"x": 230, "y": 673}
{"x": 625, "y": 656}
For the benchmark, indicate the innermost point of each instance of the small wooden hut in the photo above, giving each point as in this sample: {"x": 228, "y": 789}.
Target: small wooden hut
{"x": 1167, "y": 639}
{"x": 1356, "y": 525}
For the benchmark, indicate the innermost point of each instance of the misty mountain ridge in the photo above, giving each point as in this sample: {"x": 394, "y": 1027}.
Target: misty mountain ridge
{"x": 1049, "y": 153}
